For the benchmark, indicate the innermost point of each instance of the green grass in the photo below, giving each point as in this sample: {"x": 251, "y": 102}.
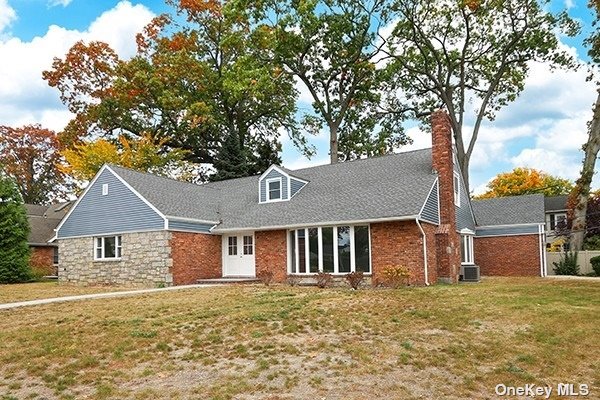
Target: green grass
{"x": 48, "y": 289}
{"x": 447, "y": 341}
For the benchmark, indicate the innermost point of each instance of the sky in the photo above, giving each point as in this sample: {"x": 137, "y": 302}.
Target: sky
{"x": 544, "y": 128}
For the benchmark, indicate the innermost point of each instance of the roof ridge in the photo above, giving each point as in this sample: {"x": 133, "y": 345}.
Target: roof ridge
{"x": 197, "y": 185}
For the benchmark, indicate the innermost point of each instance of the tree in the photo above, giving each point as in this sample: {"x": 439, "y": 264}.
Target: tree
{"x": 14, "y": 229}
{"x": 464, "y": 55}
{"x": 522, "y": 181}
{"x": 30, "y": 155}
{"x": 580, "y": 195}
{"x": 196, "y": 80}
{"x": 332, "y": 47}
{"x": 84, "y": 160}
{"x": 230, "y": 161}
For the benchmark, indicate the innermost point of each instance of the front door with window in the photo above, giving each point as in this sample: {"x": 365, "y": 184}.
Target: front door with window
{"x": 238, "y": 255}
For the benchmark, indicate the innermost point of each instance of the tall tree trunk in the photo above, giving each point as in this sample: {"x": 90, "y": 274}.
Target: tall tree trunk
{"x": 582, "y": 187}
{"x": 333, "y": 144}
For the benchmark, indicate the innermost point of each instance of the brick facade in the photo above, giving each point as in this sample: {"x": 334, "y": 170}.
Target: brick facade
{"x": 271, "y": 253}
{"x": 508, "y": 255}
{"x": 400, "y": 243}
{"x": 42, "y": 259}
{"x": 195, "y": 256}
{"x": 447, "y": 239}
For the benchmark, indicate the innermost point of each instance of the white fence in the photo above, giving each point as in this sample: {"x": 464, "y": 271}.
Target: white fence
{"x": 583, "y": 259}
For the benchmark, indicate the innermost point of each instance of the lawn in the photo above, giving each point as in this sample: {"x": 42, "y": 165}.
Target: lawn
{"x": 47, "y": 289}
{"x": 441, "y": 342}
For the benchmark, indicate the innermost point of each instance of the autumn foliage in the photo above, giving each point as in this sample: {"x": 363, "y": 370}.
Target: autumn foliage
{"x": 30, "y": 155}
{"x": 522, "y": 181}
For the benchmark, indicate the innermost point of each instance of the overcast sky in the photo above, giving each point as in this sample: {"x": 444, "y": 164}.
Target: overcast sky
{"x": 545, "y": 128}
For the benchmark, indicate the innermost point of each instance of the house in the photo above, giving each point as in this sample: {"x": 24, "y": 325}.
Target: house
{"x": 510, "y": 237}
{"x": 408, "y": 209}
{"x": 43, "y": 221}
{"x": 556, "y": 209}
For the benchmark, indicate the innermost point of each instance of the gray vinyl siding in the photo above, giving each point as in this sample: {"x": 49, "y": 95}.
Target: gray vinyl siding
{"x": 430, "y": 211}
{"x": 119, "y": 211}
{"x": 189, "y": 226}
{"x": 464, "y": 214}
{"x": 507, "y": 230}
{"x": 284, "y": 185}
{"x": 295, "y": 186}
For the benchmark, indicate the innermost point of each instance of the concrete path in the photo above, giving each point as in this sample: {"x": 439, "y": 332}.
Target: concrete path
{"x": 8, "y": 306}
{"x": 573, "y": 277}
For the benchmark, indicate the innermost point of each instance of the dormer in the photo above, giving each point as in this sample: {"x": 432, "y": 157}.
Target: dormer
{"x": 276, "y": 184}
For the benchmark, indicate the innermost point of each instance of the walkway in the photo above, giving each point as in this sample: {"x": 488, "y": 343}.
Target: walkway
{"x": 8, "y": 306}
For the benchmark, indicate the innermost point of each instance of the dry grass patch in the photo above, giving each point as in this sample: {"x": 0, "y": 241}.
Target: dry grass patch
{"x": 48, "y": 289}
{"x": 454, "y": 342}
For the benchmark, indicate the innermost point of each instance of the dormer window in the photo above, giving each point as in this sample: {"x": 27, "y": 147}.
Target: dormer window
{"x": 274, "y": 189}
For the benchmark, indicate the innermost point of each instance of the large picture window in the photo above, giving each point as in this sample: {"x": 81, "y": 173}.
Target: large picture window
{"x": 107, "y": 248}
{"x": 331, "y": 249}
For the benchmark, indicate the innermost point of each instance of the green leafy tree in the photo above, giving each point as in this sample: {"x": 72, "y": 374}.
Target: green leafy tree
{"x": 332, "y": 47}
{"x": 14, "y": 229}
{"x": 470, "y": 57}
{"x": 522, "y": 181}
{"x": 580, "y": 196}
{"x": 197, "y": 78}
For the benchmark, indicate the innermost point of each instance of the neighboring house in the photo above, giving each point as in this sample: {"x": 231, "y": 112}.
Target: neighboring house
{"x": 555, "y": 208}
{"x": 510, "y": 236}
{"x": 408, "y": 210}
{"x": 43, "y": 221}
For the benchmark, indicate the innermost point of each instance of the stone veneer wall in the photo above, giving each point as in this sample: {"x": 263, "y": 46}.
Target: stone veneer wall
{"x": 146, "y": 261}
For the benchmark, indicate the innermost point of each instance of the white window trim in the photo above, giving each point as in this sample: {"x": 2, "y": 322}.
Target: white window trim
{"x": 244, "y": 245}
{"x": 320, "y": 251}
{"x": 468, "y": 243}
{"x": 456, "y": 179}
{"x": 118, "y": 248}
{"x": 267, "y": 191}
{"x": 233, "y": 246}
{"x": 105, "y": 189}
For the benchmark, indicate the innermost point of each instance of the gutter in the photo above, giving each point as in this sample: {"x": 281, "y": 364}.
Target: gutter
{"x": 424, "y": 251}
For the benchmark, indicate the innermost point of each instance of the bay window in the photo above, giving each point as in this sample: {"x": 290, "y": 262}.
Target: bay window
{"x": 107, "y": 248}
{"x": 331, "y": 249}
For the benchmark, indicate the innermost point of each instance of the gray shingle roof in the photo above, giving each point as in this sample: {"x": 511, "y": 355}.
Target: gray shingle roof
{"x": 390, "y": 186}
{"x": 43, "y": 220}
{"x": 555, "y": 203}
{"x": 512, "y": 210}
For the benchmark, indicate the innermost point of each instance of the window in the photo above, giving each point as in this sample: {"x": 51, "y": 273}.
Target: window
{"x": 232, "y": 245}
{"x": 466, "y": 249}
{"x": 557, "y": 221}
{"x": 248, "y": 246}
{"x": 274, "y": 189}
{"x": 335, "y": 250}
{"x": 55, "y": 256}
{"x": 107, "y": 248}
{"x": 456, "y": 189}
{"x": 105, "y": 189}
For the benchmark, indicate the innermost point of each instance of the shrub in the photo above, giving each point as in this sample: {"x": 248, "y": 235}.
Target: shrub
{"x": 266, "y": 277}
{"x": 324, "y": 280}
{"x": 592, "y": 243}
{"x": 14, "y": 229}
{"x": 395, "y": 276}
{"x": 595, "y": 261}
{"x": 354, "y": 279}
{"x": 294, "y": 280}
{"x": 567, "y": 265}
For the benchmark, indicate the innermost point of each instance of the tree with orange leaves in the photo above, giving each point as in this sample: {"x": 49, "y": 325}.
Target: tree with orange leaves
{"x": 196, "y": 79}
{"x": 522, "y": 181}
{"x": 30, "y": 156}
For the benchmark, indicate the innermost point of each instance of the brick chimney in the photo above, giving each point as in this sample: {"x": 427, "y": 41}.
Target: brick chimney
{"x": 447, "y": 239}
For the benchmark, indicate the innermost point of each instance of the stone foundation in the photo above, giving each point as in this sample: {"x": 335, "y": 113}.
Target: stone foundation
{"x": 146, "y": 261}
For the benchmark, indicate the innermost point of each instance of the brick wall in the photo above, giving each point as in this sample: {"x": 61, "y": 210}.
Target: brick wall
{"x": 195, "y": 256}
{"x": 42, "y": 259}
{"x": 400, "y": 243}
{"x": 508, "y": 255}
{"x": 429, "y": 230}
{"x": 271, "y": 253}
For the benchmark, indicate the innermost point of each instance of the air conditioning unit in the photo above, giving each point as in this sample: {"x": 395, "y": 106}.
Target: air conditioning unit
{"x": 470, "y": 273}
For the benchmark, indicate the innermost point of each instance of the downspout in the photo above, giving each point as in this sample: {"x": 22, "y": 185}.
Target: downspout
{"x": 543, "y": 271}
{"x": 424, "y": 251}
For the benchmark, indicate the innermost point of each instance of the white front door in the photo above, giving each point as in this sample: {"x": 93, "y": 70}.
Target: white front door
{"x": 238, "y": 255}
